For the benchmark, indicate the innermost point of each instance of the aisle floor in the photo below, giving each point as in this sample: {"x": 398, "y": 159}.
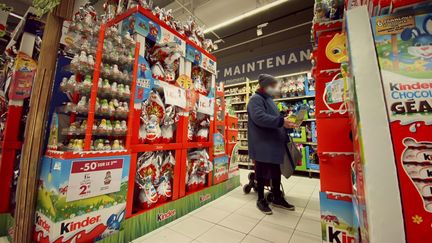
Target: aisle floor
{"x": 235, "y": 218}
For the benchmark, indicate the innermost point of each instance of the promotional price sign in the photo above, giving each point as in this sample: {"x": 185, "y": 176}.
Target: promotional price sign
{"x": 406, "y": 62}
{"x": 206, "y": 105}
{"x": 93, "y": 178}
{"x": 175, "y": 96}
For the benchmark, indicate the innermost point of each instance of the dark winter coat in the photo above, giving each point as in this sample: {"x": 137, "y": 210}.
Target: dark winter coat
{"x": 266, "y": 135}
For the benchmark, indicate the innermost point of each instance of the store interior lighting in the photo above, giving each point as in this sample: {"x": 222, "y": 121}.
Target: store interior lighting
{"x": 245, "y": 15}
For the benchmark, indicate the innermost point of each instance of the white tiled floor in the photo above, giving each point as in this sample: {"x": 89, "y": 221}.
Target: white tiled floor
{"x": 235, "y": 218}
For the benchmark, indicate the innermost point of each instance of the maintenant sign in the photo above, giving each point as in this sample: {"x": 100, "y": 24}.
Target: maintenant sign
{"x": 285, "y": 62}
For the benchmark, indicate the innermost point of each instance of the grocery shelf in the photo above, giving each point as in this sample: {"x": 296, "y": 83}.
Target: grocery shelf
{"x": 242, "y": 120}
{"x": 238, "y": 103}
{"x": 234, "y": 85}
{"x": 308, "y": 143}
{"x": 241, "y": 111}
{"x": 243, "y": 93}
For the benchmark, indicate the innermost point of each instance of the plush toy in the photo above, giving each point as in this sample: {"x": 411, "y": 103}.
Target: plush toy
{"x": 292, "y": 87}
{"x": 300, "y": 83}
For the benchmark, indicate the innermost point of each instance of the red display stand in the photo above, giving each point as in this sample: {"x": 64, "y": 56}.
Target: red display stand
{"x": 10, "y": 146}
{"x": 335, "y": 173}
{"x": 134, "y": 146}
{"x": 334, "y": 135}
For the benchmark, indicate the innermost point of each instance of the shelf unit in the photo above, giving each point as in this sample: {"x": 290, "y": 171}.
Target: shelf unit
{"x": 238, "y": 95}
{"x": 129, "y": 198}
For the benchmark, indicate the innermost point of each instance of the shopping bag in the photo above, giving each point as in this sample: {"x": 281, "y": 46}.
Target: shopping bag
{"x": 291, "y": 158}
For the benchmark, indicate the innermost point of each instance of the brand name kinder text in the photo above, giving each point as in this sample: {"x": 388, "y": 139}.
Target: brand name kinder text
{"x": 72, "y": 226}
{"x": 205, "y": 197}
{"x": 407, "y": 87}
{"x": 165, "y": 216}
{"x": 339, "y": 236}
{"x": 43, "y": 223}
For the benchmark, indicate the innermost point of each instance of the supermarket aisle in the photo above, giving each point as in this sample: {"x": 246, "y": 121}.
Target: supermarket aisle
{"x": 234, "y": 218}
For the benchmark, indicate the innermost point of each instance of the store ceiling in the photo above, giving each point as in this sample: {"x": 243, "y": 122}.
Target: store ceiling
{"x": 292, "y": 19}
{"x": 295, "y": 14}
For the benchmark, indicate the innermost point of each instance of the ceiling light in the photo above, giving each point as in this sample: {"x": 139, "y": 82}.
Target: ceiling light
{"x": 245, "y": 15}
{"x": 259, "y": 32}
{"x": 15, "y": 15}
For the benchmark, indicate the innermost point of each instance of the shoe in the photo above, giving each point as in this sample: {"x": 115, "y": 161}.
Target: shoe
{"x": 263, "y": 206}
{"x": 282, "y": 203}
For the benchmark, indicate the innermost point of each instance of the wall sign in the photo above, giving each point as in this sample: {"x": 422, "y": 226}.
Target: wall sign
{"x": 289, "y": 61}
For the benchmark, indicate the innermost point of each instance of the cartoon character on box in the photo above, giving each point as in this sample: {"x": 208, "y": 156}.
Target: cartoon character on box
{"x": 147, "y": 175}
{"x": 113, "y": 224}
{"x": 336, "y": 48}
{"x": 164, "y": 188}
{"x": 167, "y": 128}
{"x": 154, "y": 32}
{"x": 421, "y": 47}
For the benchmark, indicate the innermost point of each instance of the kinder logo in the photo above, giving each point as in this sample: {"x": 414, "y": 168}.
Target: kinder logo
{"x": 204, "y": 198}
{"x": 43, "y": 224}
{"x": 338, "y": 236}
{"x": 413, "y": 86}
{"x": 167, "y": 215}
{"x": 72, "y": 226}
{"x": 427, "y": 156}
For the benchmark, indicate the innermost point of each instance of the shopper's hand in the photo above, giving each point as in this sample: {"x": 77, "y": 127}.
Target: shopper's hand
{"x": 289, "y": 124}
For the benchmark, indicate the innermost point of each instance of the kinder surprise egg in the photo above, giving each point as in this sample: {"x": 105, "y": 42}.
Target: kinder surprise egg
{"x": 417, "y": 160}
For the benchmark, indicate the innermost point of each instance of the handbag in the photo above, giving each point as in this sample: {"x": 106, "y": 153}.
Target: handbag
{"x": 292, "y": 157}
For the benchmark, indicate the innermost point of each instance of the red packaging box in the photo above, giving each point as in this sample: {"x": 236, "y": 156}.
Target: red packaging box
{"x": 335, "y": 173}
{"x": 384, "y": 7}
{"x": 231, "y": 135}
{"x": 322, "y": 111}
{"x": 231, "y": 122}
{"x": 334, "y": 135}
{"x": 403, "y": 5}
{"x": 323, "y": 62}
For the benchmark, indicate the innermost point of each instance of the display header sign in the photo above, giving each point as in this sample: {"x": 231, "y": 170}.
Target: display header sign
{"x": 288, "y": 61}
